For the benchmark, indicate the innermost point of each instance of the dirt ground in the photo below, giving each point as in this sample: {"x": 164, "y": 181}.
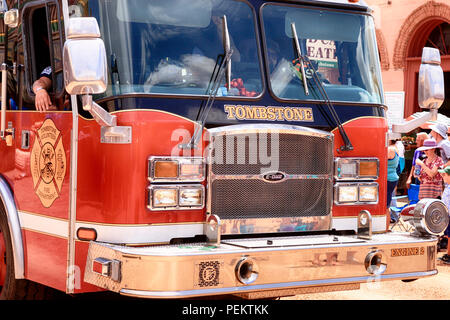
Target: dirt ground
{"x": 431, "y": 288}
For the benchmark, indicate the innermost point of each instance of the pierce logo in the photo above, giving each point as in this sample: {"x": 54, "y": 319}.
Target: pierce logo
{"x": 48, "y": 163}
{"x": 274, "y": 176}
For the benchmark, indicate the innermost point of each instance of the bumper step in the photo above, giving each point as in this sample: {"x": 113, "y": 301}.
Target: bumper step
{"x": 276, "y": 265}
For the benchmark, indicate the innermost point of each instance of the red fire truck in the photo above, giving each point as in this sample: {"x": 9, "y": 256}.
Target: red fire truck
{"x": 202, "y": 147}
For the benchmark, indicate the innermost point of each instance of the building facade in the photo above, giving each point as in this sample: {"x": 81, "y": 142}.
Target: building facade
{"x": 403, "y": 28}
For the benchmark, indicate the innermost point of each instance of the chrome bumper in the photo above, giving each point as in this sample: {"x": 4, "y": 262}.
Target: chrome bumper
{"x": 259, "y": 267}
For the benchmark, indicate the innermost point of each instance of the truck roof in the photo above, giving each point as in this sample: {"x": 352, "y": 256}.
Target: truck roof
{"x": 358, "y": 5}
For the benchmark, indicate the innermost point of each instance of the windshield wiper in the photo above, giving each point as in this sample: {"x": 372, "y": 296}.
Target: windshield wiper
{"x": 299, "y": 55}
{"x": 305, "y": 60}
{"x": 224, "y": 63}
{"x": 347, "y": 144}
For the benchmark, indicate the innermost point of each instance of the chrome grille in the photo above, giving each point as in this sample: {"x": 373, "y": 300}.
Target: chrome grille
{"x": 241, "y": 155}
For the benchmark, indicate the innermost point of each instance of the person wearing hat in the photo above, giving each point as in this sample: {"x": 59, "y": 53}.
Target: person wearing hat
{"x": 439, "y": 133}
{"x": 413, "y": 178}
{"x": 445, "y": 173}
{"x": 430, "y": 179}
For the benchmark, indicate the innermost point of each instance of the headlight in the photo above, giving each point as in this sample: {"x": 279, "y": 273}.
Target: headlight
{"x": 164, "y": 197}
{"x": 368, "y": 193}
{"x": 191, "y": 197}
{"x": 356, "y": 168}
{"x": 347, "y": 194}
{"x": 175, "y": 197}
{"x": 356, "y": 193}
{"x": 174, "y": 169}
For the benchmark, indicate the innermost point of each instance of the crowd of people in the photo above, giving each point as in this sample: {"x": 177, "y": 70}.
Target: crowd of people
{"x": 430, "y": 171}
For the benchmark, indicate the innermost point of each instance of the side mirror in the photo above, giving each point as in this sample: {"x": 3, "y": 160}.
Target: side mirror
{"x": 431, "y": 80}
{"x": 84, "y": 58}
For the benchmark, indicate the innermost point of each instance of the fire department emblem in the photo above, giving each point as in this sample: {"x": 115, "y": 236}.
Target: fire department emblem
{"x": 48, "y": 163}
{"x": 209, "y": 272}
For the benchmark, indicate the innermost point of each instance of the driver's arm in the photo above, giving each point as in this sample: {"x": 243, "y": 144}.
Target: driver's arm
{"x": 40, "y": 89}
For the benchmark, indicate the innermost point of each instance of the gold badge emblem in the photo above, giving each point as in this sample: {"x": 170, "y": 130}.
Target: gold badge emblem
{"x": 48, "y": 163}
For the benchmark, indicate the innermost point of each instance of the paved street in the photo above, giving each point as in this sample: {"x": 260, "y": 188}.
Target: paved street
{"x": 431, "y": 288}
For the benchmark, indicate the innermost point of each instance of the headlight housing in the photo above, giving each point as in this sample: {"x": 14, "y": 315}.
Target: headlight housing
{"x": 176, "y": 169}
{"x": 175, "y": 197}
{"x": 356, "y": 168}
{"x": 356, "y": 193}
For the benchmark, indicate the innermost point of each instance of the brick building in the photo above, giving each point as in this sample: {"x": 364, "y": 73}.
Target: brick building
{"x": 403, "y": 28}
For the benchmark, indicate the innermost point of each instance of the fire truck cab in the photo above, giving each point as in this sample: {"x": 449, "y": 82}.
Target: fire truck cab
{"x": 202, "y": 147}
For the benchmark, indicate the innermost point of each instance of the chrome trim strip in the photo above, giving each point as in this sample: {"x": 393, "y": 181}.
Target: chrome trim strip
{"x": 14, "y": 228}
{"x": 48, "y": 225}
{"x": 351, "y": 223}
{"x": 70, "y": 286}
{"x": 275, "y": 225}
{"x": 262, "y": 127}
{"x": 156, "y": 233}
{"x": 321, "y": 242}
{"x": 231, "y": 290}
{"x": 261, "y": 176}
{"x": 126, "y": 234}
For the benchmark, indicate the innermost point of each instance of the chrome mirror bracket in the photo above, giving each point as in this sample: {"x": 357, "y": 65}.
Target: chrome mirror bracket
{"x": 100, "y": 115}
{"x": 110, "y": 131}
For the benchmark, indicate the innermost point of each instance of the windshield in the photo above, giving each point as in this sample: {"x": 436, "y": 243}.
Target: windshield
{"x": 341, "y": 47}
{"x": 171, "y": 46}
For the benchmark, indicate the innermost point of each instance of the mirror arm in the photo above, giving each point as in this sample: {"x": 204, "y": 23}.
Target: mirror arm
{"x": 103, "y": 117}
{"x": 408, "y": 126}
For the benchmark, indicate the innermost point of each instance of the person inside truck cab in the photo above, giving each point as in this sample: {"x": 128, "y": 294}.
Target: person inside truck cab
{"x": 40, "y": 88}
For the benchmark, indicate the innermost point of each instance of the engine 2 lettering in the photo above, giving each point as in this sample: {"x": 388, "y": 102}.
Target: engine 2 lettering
{"x": 402, "y": 252}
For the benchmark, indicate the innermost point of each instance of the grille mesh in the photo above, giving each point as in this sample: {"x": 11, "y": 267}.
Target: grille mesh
{"x": 251, "y": 198}
{"x": 254, "y": 154}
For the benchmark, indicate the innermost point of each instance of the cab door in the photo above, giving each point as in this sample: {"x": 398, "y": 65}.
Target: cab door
{"x": 42, "y": 148}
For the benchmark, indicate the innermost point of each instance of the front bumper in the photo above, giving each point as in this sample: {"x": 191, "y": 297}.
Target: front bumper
{"x": 278, "y": 266}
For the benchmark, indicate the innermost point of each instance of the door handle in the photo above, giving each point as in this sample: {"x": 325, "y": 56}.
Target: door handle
{"x": 10, "y": 134}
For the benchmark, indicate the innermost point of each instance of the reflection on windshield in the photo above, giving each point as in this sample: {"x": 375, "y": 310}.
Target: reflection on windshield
{"x": 157, "y": 50}
{"x": 340, "y": 46}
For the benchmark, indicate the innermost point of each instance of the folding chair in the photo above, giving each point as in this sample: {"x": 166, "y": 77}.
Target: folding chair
{"x": 405, "y": 212}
